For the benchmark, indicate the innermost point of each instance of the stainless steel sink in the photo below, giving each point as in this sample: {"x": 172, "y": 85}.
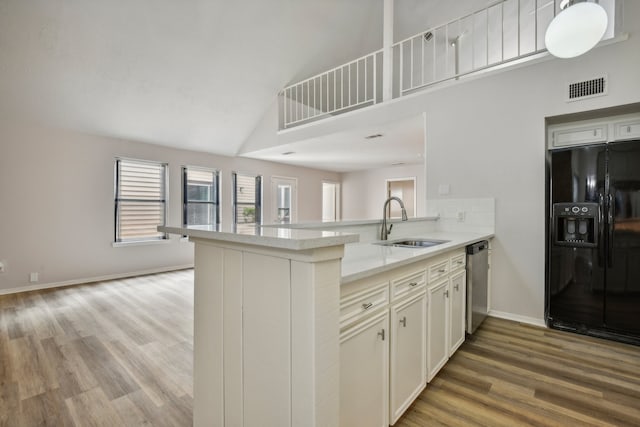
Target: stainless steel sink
{"x": 413, "y": 243}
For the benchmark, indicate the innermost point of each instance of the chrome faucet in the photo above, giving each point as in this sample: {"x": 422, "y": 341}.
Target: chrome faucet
{"x": 384, "y": 232}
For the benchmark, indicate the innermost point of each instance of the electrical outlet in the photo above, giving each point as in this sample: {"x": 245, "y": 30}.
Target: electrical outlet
{"x": 461, "y": 216}
{"x": 33, "y": 277}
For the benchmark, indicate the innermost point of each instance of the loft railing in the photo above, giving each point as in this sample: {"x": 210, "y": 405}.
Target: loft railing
{"x": 501, "y": 33}
{"x": 346, "y": 87}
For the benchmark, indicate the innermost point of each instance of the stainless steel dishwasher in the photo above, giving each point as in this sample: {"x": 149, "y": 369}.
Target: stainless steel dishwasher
{"x": 477, "y": 284}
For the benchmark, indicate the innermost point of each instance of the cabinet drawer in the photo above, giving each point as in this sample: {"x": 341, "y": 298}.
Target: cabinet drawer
{"x": 439, "y": 270}
{"x": 458, "y": 261}
{"x": 406, "y": 284}
{"x": 358, "y": 305}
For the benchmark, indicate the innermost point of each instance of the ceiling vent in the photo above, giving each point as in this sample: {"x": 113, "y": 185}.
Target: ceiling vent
{"x": 587, "y": 88}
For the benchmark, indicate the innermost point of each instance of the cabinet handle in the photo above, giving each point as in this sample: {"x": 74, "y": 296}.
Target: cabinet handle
{"x": 628, "y": 129}
{"x": 446, "y": 293}
{"x": 460, "y": 262}
{"x": 367, "y": 306}
{"x": 442, "y": 270}
{"x": 595, "y": 132}
{"x": 403, "y": 321}
{"x": 412, "y": 284}
{"x": 381, "y": 334}
{"x": 456, "y": 287}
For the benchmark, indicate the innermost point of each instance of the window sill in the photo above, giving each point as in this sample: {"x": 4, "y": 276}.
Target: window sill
{"x": 141, "y": 243}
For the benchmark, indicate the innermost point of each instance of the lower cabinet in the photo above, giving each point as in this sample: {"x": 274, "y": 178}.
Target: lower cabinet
{"x": 408, "y": 353}
{"x": 458, "y": 295}
{"x": 437, "y": 327}
{"x": 364, "y": 373}
{"x": 398, "y": 329}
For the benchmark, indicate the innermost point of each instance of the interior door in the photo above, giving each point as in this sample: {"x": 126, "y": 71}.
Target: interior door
{"x": 623, "y": 276}
{"x": 575, "y": 291}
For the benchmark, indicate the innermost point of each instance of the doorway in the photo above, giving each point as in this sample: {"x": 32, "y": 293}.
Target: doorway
{"x": 330, "y": 201}
{"x": 405, "y": 189}
{"x": 284, "y": 199}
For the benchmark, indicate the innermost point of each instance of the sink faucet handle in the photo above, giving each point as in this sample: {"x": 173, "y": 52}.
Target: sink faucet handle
{"x": 390, "y": 227}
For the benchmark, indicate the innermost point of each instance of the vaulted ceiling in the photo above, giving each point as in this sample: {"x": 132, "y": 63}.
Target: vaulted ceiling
{"x": 196, "y": 74}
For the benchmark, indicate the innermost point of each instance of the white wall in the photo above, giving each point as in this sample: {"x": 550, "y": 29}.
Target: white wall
{"x": 486, "y": 138}
{"x": 364, "y": 192}
{"x": 57, "y": 211}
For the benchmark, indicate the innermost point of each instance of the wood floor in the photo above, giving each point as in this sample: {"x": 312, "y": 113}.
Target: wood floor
{"x": 120, "y": 354}
{"x": 117, "y": 353}
{"x": 510, "y": 374}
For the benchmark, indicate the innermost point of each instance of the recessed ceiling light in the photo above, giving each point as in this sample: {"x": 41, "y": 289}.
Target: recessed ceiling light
{"x": 288, "y": 153}
{"x": 374, "y": 136}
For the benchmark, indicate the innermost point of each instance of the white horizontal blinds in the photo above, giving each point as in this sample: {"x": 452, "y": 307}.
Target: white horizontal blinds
{"x": 200, "y": 197}
{"x": 140, "y": 200}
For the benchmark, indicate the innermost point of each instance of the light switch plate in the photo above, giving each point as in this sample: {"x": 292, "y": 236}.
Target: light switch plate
{"x": 2, "y": 267}
{"x": 33, "y": 277}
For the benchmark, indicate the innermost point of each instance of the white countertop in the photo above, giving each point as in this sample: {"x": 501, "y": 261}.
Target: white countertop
{"x": 366, "y": 259}
{"x": 351, "y": 223}
{"x": 280, "y": 238}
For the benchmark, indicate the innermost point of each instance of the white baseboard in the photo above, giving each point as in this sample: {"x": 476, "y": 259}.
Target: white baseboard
{"x": 41, "y": 286}
{"x": 517, "y": 318}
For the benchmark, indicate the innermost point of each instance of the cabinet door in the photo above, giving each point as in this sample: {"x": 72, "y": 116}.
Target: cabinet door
{"x": 438, "y": 328}
{"x": 408, "y": 352}
{"x": 458, "y": 297}
{"x": 364, "y": 373}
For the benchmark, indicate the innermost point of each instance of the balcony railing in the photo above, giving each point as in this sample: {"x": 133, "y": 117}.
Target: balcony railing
{"x": 499, "y": 34}
{"x": 349, "y": 86}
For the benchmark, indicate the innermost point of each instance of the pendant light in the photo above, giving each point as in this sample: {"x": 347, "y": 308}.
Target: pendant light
{"x": 576, "y": 29}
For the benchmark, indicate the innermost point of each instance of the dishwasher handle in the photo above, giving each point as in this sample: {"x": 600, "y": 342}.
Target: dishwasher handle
{"x": 477, "y": 247}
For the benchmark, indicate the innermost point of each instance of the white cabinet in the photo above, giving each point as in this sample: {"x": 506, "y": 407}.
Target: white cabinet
{"x": 364, "y": 373}
{"x": 596, "y": 131}
{"x": 437, "y": 327}
{"x": 446, "y": 309}
{"x": 457, "y": 299}
{"x": 566, "y": 136}
{"x": 627, "y": 129}
{"x": 408, "y": 352}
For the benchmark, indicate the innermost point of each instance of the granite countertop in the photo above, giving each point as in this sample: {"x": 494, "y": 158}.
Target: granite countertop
{"x": 366, "y": 259}
{"x": 280, "y": 238}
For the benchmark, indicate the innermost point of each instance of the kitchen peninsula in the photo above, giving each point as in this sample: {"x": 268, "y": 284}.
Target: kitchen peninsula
{"x": 271, "y": 313}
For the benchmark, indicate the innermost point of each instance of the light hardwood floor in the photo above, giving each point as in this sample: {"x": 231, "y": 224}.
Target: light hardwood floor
{"x": 119, "y": 353}
{"x": 511, "y": 374}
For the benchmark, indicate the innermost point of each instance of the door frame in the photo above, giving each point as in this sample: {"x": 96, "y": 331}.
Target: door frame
{"x": 415, "y": 200}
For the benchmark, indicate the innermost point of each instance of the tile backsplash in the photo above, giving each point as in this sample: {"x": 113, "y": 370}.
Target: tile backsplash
{"x": 463, "y": 214}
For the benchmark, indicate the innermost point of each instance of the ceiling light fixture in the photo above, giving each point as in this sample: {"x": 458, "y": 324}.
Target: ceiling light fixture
{"x": 576, "y": 29}
{"x": 288, "y": 153}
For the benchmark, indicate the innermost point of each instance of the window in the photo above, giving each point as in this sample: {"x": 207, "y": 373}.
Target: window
{"x": 140, "y": 200}
{"x": 284, "y": 199}
{"x": 247, "y": 201}
{"x": 200, "y": 197}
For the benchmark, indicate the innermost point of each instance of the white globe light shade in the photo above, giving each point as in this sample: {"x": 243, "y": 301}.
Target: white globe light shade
{"x": 576, "y": 30}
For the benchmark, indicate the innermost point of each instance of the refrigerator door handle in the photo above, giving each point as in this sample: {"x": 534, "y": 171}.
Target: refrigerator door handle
{"x": 610, "y": 226}
{"x": 601, "y": 240}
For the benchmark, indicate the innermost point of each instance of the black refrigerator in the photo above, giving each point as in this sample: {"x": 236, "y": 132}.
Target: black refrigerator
{"x": 593, "y": 240}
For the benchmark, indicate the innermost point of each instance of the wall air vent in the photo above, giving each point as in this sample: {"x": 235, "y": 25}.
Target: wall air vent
{"x": 587, "y": 88}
